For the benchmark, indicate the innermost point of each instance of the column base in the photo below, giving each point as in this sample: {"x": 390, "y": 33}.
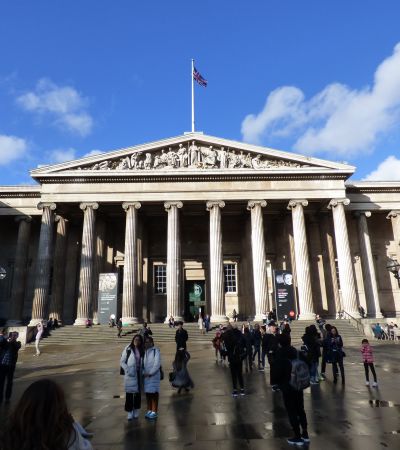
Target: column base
{"x": 258, "y": 318}
{"x": 80, "y": 321}
{"x": 176, "y": 318}
{"x": 218, "y": 319}
{"x": 130, "y": 321}
{"x": 307, "y": 316}
{"x": 34, "y": 322}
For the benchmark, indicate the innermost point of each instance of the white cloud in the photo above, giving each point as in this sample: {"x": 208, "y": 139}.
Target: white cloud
{"x": 388, "y": 170}
{"x": 11, "y": 149}
{"x": 63, "y": 103}
{"x": 60, "y": 155}
{"x": 337, "y": 120}
{"x": 92, "y": 153}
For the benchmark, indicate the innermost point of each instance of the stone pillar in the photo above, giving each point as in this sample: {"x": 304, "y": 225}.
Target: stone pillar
{"x": 259, "y": 258}
{"x": 86, "y": 270}
{"x": 218, "y": 313}
{"x": 174, "y": 304}
{"x": 394, "y": 216}
{"x": 19, "y": 281}
{"x": 367, "y": 260}
{"x": 302, "y": 259}
{"x": 346, "y": 273}
{"x": 98, "y": 265}
{"x": 43, "y": 264}
{"x": 57, "y": 297}
{"x": 130, "y": 311}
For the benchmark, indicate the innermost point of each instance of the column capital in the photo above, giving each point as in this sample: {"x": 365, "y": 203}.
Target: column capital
{"x": 336, "y": 201}
{"x": 85, "y": 205}
{"x": 57, "y": 218}
{"x": 293, "y": 203}
{"x": 127, "y": 205}
{"x": 27, "y": 219}
{"x": 169, "y": 205}
{"x": 42, "y": 205}
{"x": 212, "y": 203}
{"x": 358, "y": 214}
{"x": 393, "y": 214}
{"x": 252, "y": 203}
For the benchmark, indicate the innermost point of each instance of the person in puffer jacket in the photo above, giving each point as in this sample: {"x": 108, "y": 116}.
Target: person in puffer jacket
{"x": 368, "y": 360}
{"x": 151, "y": 377}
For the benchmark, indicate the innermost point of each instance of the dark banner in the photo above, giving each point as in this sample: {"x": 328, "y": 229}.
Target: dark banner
{"x": 284, "y": 294}
{"x": 107, "y": 297}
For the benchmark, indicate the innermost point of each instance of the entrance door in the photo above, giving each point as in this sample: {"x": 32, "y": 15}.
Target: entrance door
{"x": 195, "y": 299}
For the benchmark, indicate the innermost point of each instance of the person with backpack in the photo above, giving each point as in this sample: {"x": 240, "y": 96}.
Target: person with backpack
{"x": 131, "y": 367}
{"x": 236, "y": 350}
{"x": 293, "y": 374}
{"x": 180, "y": 375}
{"x": 152, "y": 377}
{"x": 312, "y": 351}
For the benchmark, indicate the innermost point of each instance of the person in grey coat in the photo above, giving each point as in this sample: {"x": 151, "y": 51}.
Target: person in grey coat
{"x": 181, "y": 377}
{"x": 132, "y": 367}
{"x": 151, "y": 376}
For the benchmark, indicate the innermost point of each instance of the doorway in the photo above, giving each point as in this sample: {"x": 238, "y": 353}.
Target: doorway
{"x": 195, "y": 299}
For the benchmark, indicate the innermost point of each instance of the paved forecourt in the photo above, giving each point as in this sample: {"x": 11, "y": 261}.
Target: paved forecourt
{"x": 353, "y": 417}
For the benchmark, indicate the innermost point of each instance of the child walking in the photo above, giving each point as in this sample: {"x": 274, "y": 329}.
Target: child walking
{"x": 368, "y": 359}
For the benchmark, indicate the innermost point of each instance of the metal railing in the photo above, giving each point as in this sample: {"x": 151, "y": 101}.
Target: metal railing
{"x": 355, "y": 322}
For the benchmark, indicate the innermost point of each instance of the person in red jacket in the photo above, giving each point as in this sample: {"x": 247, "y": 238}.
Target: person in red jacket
{"x": 368, "y": 359}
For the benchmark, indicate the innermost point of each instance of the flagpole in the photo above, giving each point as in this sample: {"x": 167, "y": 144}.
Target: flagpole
{"x": 191, "y": 75}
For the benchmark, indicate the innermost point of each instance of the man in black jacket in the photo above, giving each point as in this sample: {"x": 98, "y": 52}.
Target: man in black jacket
{"x": 181, "y": 337}
{"x": 8, "y": 362}
{"x": 270, "y": 346}
{"x": 292, "y": 398}
{"x": 236, "y": 350}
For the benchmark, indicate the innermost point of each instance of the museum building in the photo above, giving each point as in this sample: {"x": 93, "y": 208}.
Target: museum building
{"x": 194, "y": 223}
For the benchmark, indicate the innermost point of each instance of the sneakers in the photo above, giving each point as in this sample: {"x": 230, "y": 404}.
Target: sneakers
{"x": 136, "y": 413}
{"x": 235, "y": 393}
{"x": 275, "y": 388}
{"x": 130, "y": 415}
{"x": 152, "y": 415}
{"x": 314, "y": 382}
{"x": 374, "y": 384}
{"x": 367, "y": 383}
{"x": 261, "y": 369}
{"x": 147, "y": 414}
{"x": 296, "y": 441}
{"x": 305, "y": 437}
{"x": 242, "y": 393}
{"x": 322, "y": 376}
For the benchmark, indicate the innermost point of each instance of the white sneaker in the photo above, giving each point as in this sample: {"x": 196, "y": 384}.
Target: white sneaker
{"x": 374, "y": 384}
{"x": 367, "y": 383}
{"x": 136, "y": 413}
{"x": 130, "y": 415}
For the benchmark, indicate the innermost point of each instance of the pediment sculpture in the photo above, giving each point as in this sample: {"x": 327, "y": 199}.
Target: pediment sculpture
{"x": 192, "y": 156}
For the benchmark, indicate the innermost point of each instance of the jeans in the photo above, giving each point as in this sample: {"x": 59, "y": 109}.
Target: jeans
{"x": 263, "y": 353}
{"x": 368, "y": 366}
{"x": 6, "y": 375}
{"x": 314, "y": 371}
{"x": 335, "y": 363}
{"x": 237, "y": 375}
{"x": 257, "y": 352}
{"x": 294, "y": 404}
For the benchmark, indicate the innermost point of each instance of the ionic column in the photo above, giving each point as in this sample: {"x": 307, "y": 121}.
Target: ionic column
{"x": 259, "y": 257}
{"x": 218, "y": 313}
{"x": 19, "y": 281}
{"x": 129, "y": 296}
{"x": 394, "y": 216}
{"x": 302, "y": 260}
{"x": 57, "y": 299}
{"x": 346, "y": 274}
{"x": 98, "y": 266}
{"x": 43, "y": 264}
{"x": 174, "y": 306}
{"x": 367, "y": 260}
{"x": 86, "y": 270}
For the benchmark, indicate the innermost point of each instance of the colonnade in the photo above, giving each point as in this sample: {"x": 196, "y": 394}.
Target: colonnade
{"x": 175, "y": 307}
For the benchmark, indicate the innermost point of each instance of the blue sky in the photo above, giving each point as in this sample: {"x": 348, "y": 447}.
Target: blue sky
{"x": 313, "y": 77}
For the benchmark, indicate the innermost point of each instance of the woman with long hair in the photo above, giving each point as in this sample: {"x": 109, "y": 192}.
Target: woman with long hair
{"x": 182, "y": 378}
{"x": 132, "y": 367}
{"x": 41, "y": 420}
{"x": 336, "y": 354}
{"x": 152, "y": 377}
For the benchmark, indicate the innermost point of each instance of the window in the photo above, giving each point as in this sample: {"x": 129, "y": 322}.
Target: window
{"x": 230, "y": 278}
{"x": 160, "y": 279}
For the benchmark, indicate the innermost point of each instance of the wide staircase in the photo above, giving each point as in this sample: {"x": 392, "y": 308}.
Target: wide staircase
{"x": 73, "y": 335}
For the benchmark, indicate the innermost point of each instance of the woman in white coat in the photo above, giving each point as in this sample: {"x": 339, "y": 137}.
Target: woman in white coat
{"x": 151, "y": 376}
{"x": 132, "y": 367}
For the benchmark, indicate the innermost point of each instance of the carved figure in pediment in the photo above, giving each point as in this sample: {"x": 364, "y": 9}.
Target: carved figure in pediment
{"x": 183, "y": 156}
{"x": 194, "y": 154}
{"x": 172, "y": 158}
{"x": 248, "y": 161}
{"x": 241, "y": 160}
{"x": 163, "y": 158}
{"x": 256, "y": 162}
{"x": 124, "y": 164}
{"x": 157, "y": 162}
{"x": 222, "y": 158}
{"x": 233, "y": 159}
{"x": 148, "y": 161}
{"x": 134, "y": 160}
{"x": 209, "y": 157}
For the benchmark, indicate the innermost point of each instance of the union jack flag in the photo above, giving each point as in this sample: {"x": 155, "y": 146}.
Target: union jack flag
{"x": 196, "y": 75}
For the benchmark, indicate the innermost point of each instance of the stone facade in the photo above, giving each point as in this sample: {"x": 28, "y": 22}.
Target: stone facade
{"x": 197, "y": 210}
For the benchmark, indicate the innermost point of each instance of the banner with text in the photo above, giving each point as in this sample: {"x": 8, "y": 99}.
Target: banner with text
{"x": 284, "y": 294}
{"x": 107, "y": 297}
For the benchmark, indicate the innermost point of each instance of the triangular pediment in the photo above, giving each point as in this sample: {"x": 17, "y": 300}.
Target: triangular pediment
{"x": 192, "y": 153}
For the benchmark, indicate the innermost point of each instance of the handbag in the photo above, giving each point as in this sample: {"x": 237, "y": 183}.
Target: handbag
{"x": 121, "y": 370}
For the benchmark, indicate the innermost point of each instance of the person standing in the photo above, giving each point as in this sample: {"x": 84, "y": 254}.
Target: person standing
{"x": 271, "y": 346}
{"x": 8, "y": 362}
{"x": 312, "y": 344}
{"x": 152, "y": 377}
{"x": 236, "y": 350}
{"x": 181, "y": 337}
{"x": 201, "y": 324}
{"x": 38, "y": 337}
{"x": 257, "y": 344}
{"x": 234, "y": 315}
{"x": 336, "y": 354}
{"x": 292, "y": 397}
{"x": 145, "y": 331}
{"x": 181, "y": 379}
{"x": 207, "y": 322}
{"x": 132, "y": 365}
{"x": 325, "y": 350}
{"x": 119, "y": 327}
{"x": 248, "y": 341}
{"x": 368, "y": 360}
